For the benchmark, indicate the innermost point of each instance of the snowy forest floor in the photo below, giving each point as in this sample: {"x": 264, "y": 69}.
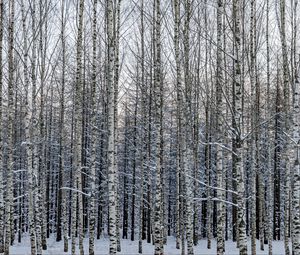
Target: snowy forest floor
{"x": 130, "y": 248}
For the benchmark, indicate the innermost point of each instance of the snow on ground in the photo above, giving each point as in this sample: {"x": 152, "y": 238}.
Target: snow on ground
{"x": 130, "y": 248}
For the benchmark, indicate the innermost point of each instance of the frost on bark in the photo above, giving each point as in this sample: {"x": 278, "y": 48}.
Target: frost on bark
{"x": 1, "y": 139}
{"x": 286, "y": 109}
{"x": 62, "y": 224}
{"x": 59, "y": 225}
{"x": 77, "y": 175}
{"x": 158, "y": 100}
{"x": 34, "y": 159}
{"x": 296, "y": 166}
{"x": 179, "y": 98}
{"x": 111, "y": 128}
{"x": 208, "y": 205}
{"x": 277, "y": 164}
{"x": 10, "y": 125}
{"x": 219, "y": 126}
{"x": 240, "y": 179}
{"x": 42, "y": 219}
{"x": 188, "y": 130}
{"x": 93, "y": 107}
{"x": 254, "y": 121}
{"x": 116, "y": 36}
{"x": 28, "y": 137}
{"x": 142, "y": 134}
{"x": 269, "y": 205}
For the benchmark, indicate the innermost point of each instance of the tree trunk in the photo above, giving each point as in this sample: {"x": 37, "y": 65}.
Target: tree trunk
{"x": 219, "y": 126}
{"x": 93, "y": 107}
{"x": 10, "y": 125}
{"x": 2, "y": 205}
{"x": 77, "y": 179}
{"x": 238, "y": 132}
{"x": 158, "y": 95}
{"x": 111, "y": 136}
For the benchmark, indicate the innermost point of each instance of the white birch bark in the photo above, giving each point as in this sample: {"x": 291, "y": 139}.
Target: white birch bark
{"x": 92, "y": 214}
{"x": 142, "y": 134}
{"x": 219, "y": 126}
{"x": 63, "y": 175}
{"x": 270, "y": 172}
{"x": 179, "y": 117}
{"x": 188, "y": 129}
{"x": 34, "y": 130}
{"x": 77, "y": 181}
{"x": 111, "y": 135}
{"x": 296, "y": 166}
{"x": 10, "y": 125}
{"x": 241, "y": 214}
{"x": 286, "y": 124}
{"x": 158, "y": 91}
{"x": 253, "y": 125}
{"x": 2, "y": 205}
{"x": 116, "y": 36}
{"x": 42, "y": 202}
{"x": 28, "y": 134}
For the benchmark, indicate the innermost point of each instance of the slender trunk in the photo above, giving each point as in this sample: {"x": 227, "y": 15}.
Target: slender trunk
{"x": 77, "y": 179}
{"x": 93, "y": 107}
{"x": 2, "y": 206}
{"x": 125, "y": 179}
{"x": 238, "y": 132}
{"x": 286, "y": 123}
{"x": 158, "y": 95}
{"x": 188, "y": 129}
{"x": 10, "y": 113}
{"x": 219, "y": 125}
{"x": 254, "y": 172}
{"x": 179, "y": 118}
{"x": 142, "y": 135}
{"x": 62, "y": 194}
{"x": 270, "y": 175}
{"x": 116, "y": 24}
{"x": 134, "y": 175}
{"x": 296, "y": 168}
{"x": 28, "y": 137}
{"x": 111, "y": 136}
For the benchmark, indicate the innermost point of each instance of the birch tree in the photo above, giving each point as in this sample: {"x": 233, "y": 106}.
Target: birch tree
{"x": 77, "y": 179}
{"x": 296, "y": 168}
{"x": 94, "y": 133}
{"x": 111, "y": 129}
{"x": 10, "y": 115}
{"x": 187, "y": 128}
{"x": 142, "y": 135}
{"x": 62, "y": 194}
{"x": 179, "y": 96}
{"x": 270, "y": 174}
{"x": 219, "y": 106}
{"x": 2, "y": 205}
{"x": 158, "y": 94}
{"x": 239, "y": 130}
{"x": 286, "y": 122}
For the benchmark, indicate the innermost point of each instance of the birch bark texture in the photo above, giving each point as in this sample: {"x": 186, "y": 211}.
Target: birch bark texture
{"x": 158, "y": 100}
{"x": 92, "y": 222}
{"x": 2, "y": 204}
{"x": 296, "y": 169}
{"x": 10, "y": 115}
{"x": 77, "y": 179}
{"x": 238, "y": 119}
{"x": 179, "y": 99}
{"x": 111, "y": 128}
{"x": 219, "y": 125}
